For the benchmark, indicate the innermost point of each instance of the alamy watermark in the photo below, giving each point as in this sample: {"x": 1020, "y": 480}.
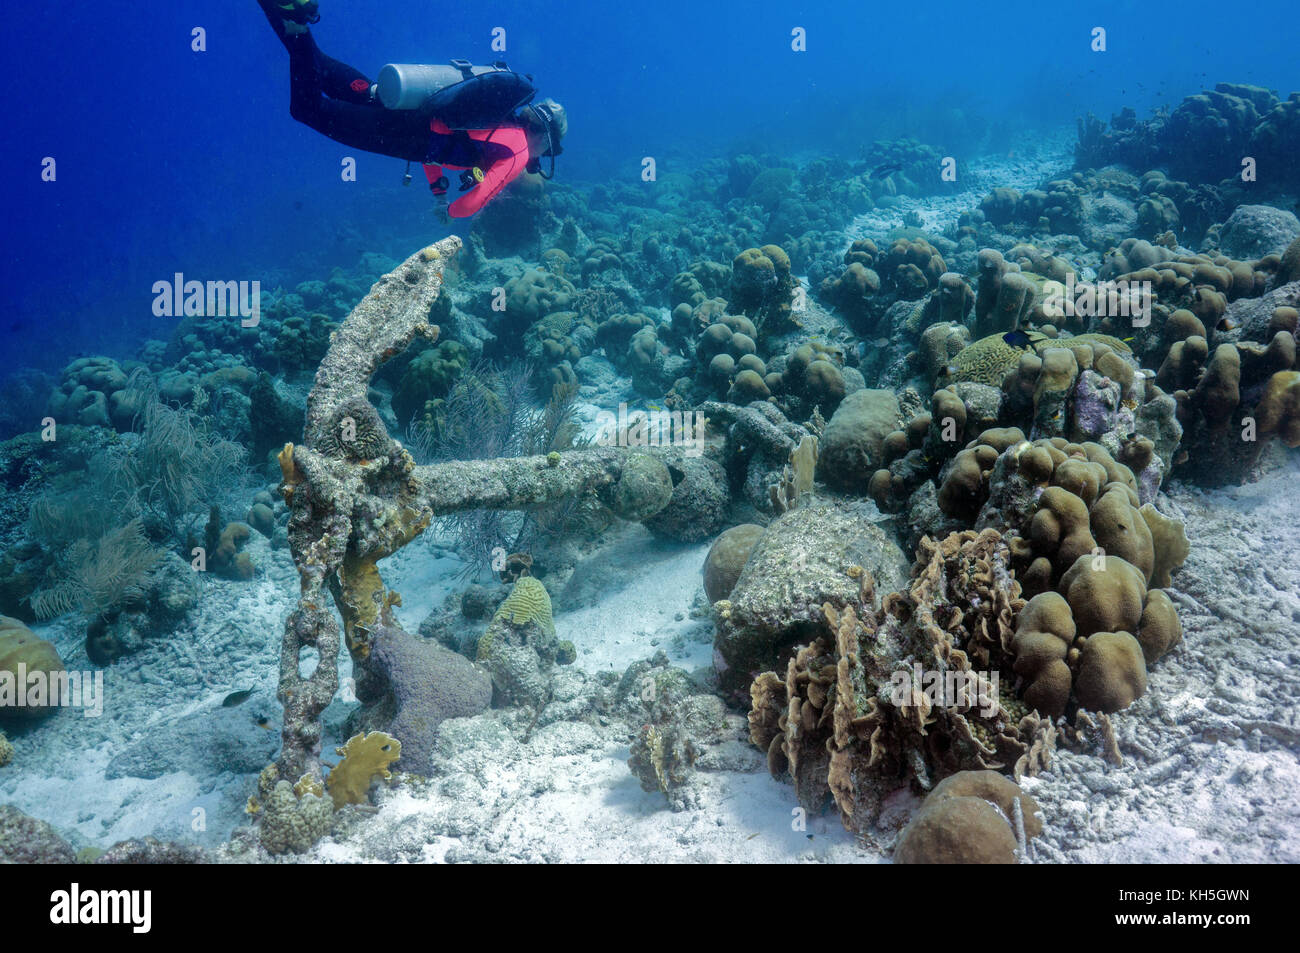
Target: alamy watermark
{"x": 945, "y": 689}
{"x": 41, "y": 689}
{"x": 1102, "y": 299}
{"x": 179, "y": 298}
{"x": 656, "y": 428}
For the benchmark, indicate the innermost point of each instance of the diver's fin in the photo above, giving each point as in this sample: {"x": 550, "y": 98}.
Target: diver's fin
{"x": 301, "y": 12}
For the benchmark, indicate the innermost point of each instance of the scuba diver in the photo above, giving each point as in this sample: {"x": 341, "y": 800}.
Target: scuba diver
{"x": 476, "y": 120}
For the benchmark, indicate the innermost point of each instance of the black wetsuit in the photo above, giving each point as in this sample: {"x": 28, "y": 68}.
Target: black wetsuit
{"x": 335, "y": 100}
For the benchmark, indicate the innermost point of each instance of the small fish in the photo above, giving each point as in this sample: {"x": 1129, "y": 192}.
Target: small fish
{"x": 1127, "y": 340}
{"x": 889, "y": 168}
{"x": 809, "y": 836}
{"x": 263, "y": 722}
{"x": 1022, "y": 338}
{"x": 236, "y": 698}
{"x": 1226, "y": 324}
{"x": 1181, "y": 458}
{"x": 752, "y": 836}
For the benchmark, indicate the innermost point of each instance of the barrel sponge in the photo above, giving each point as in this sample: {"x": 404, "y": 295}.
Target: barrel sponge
{"x": 20, "y": 646}
{"x": 1111, "y": 673}
{"x": 1278, "y": 411}
{"x": 1044, "y": 631}
{"x": 1121, "y": 531}
{"x": 1171, "y": 547}
{"x": 727, "y": 557}
{"x": 1105, "y": 593}
{"x": 967, "y": 820}
{"x": 1160, "y": 629}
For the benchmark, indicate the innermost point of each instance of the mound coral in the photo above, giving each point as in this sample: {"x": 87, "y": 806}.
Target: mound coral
{"x": 727, "y": 557}
{"x": 972, "y": 817}
{"x": 798, "y": 565}
{"x": 852, "y": 446}
{"x": 763, "y": 288}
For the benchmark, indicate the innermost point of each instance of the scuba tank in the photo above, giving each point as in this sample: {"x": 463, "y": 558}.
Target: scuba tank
{"x": 460, "y": 95}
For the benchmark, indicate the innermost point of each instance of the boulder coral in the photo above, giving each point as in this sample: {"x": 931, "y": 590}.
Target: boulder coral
{"x": 972, "y": 817}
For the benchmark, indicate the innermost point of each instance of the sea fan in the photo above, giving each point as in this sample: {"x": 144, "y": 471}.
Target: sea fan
{"x": 97, "y": 577}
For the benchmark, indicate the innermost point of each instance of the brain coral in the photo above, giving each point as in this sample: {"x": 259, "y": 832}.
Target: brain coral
{"x": 986, "y": 361}
{"x": 528, "y": 602}
{"x": 20, "y": 646}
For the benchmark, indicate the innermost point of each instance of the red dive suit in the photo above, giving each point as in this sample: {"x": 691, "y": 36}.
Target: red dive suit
{"x": 500, "y": 154}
